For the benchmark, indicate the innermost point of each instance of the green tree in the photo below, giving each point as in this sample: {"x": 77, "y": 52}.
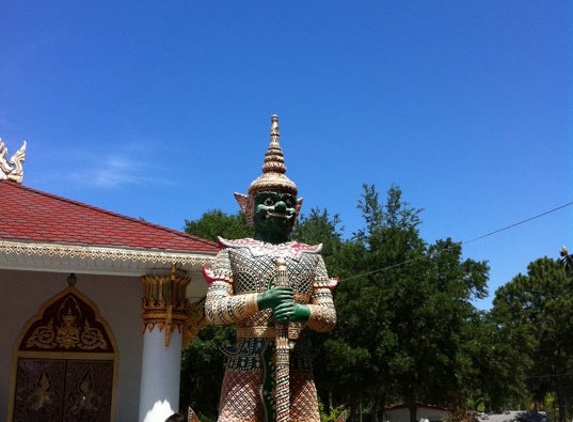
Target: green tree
{"x": 216, "y": 223}
{"x": 496, "y": 365}
{"x": 539, "y": 306}
{"x": 320, "y": 227}
{"x": 403, "y": 310}
{"x": 202, "y": 370}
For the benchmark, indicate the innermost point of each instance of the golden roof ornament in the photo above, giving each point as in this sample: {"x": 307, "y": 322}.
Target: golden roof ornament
{"x": 12, "y": 169}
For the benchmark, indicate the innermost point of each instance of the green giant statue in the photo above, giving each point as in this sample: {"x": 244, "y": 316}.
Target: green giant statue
{"x": 273, "y": 289}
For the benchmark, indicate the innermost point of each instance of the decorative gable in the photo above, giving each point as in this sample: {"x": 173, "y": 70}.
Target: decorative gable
{"x": 68, "y": 324}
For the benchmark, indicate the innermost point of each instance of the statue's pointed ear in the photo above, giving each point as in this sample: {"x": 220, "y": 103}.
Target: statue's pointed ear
{"x": 298, "y": 206}
{"x": 246, "y": 204}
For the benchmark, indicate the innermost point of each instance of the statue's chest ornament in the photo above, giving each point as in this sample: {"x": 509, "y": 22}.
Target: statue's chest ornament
{"x": 255, "y": 262}
{"x": 292, "y": 250}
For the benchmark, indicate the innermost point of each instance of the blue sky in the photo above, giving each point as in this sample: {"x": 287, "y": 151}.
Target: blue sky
{"x": 161, "y": 110}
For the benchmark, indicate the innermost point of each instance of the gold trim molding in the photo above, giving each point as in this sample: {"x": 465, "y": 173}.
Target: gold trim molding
{"x": 95, "y": 257}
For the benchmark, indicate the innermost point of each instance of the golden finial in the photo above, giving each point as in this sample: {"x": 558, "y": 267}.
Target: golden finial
{"x": 274, "y": 169}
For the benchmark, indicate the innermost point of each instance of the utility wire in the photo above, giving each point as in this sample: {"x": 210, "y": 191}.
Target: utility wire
{"x": 518, "y": 223}
{"x": 464, "y": 242}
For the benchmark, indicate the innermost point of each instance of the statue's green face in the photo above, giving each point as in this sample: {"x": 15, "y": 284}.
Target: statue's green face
{"x": 274, "y": 216}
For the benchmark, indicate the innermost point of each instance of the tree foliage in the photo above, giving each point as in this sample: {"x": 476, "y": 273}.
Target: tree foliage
{"x": 216, "y": 223}
{"x": 202, "y": 370}
{"x": 494, "y": 374}
{"x": 538, "y": 308}
{"x": 404, "y": 309}
{"x": 319, "y": 227}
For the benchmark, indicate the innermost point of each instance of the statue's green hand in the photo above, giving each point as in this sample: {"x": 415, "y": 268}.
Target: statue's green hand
{"x": 274, "y": 297}
{"x": 291, "y": 312}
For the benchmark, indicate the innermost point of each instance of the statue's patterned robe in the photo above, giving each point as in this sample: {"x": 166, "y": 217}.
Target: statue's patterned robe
{"x": 242, "y": 270}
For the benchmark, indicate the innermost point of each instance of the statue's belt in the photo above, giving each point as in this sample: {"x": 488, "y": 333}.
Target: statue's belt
{"x": 269, "y": 333}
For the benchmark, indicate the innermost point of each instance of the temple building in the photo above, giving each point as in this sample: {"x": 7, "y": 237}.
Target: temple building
{"x": 95, "y": 309}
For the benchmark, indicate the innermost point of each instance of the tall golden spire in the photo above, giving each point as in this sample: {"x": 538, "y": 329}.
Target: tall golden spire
{"x": 274, "y": 169}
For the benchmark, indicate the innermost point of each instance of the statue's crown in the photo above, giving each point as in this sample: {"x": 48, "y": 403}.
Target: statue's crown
{"x": 274, "y": 169}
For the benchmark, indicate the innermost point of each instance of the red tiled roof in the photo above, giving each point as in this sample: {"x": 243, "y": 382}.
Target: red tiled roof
{"x": 30, "y": 215}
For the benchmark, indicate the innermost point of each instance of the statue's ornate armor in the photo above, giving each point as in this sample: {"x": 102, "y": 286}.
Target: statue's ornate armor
{"x": 242, "y": 270}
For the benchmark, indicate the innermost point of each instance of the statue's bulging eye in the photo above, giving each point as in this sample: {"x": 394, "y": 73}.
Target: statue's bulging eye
{"x": 268, "y": 202}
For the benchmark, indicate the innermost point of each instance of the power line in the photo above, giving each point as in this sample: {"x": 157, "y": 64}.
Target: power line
{"x": 518, "y": 223}
{"x": 464, "y": 242}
